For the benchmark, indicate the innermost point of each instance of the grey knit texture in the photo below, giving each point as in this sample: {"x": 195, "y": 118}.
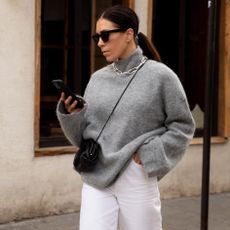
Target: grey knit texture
{"x": 152, "y": 119}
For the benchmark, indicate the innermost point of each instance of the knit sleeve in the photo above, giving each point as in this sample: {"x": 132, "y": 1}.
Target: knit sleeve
{"x": 71, "y": 124}
{"x": 160, "y": 154}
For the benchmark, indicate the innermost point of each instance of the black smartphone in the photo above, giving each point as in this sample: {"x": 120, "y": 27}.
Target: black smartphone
{"x": 62, "y": 87}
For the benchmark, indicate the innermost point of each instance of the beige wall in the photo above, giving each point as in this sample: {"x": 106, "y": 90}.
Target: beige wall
{"x": 185, "y": 179}
{"x": 28, "y": 186}
{"x": 32, "y": 186}
{"x": 141, "y": 8}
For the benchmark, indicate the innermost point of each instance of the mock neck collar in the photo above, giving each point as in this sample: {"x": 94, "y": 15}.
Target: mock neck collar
{"x": 131, "y": 61}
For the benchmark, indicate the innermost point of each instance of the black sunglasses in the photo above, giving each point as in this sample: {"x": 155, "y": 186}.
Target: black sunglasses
{"x": 105, "y": 35}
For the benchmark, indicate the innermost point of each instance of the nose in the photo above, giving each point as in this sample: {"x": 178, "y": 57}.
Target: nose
{"x": 100, "y": 43}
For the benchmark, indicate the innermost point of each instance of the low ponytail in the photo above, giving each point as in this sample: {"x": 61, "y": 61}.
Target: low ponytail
{"x": 148, "y": 48}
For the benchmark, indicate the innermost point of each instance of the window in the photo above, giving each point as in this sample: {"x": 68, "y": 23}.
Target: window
{"x": 65, "y": 54}
{"x": 180, "y": 35}
{"x": 64, "y": 50}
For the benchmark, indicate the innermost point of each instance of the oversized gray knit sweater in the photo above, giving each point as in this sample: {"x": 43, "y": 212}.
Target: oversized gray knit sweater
{"x": 152, "y": 119}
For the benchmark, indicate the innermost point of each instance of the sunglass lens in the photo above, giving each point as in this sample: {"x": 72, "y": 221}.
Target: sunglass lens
{"x": 105, "y": 36}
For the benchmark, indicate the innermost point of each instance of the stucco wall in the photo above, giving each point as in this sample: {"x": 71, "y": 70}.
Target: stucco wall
{"x": 141, "y": 8}
{"x": 32, "y": 186}
{"x": 186, "y": 178}
{"x": 28, "y": 186}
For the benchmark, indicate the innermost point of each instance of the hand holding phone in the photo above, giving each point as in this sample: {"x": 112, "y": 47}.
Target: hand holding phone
{"x": 62, "y": 87}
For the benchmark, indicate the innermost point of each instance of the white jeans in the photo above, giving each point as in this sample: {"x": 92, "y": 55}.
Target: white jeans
{"x": 131, "y": 203}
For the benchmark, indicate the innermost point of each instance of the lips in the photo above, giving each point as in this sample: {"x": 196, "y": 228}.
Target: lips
{"x": 104, "y": 52}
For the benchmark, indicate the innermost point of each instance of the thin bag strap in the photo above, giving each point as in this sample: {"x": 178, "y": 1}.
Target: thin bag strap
{"x": 120, "y": 99}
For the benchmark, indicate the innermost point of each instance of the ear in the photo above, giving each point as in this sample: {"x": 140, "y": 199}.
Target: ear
{"x": 130, "y": 34}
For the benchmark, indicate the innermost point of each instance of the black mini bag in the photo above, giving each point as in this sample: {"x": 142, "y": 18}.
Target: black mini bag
{"x": 88, "y": 154}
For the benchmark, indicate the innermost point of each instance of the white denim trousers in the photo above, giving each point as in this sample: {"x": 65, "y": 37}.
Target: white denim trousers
{"x": 131, "y": 203}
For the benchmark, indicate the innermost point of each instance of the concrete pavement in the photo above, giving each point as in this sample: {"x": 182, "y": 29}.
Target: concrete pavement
{"x": 178, "y": 214}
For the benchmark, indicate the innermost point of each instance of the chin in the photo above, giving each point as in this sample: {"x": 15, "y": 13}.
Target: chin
{"x": 110, "y": 58}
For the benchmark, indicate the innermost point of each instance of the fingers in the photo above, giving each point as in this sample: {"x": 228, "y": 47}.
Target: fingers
{"x": 68, "y": 100}
{"x": 63, "y": 96}
{"x": 70, "y": 107}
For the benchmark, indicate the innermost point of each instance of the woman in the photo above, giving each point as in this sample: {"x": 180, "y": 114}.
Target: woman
{"x": 145, "y": 137}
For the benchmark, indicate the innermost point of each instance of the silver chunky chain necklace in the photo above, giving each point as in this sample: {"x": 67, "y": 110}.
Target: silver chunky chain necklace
{"x": 130, "y": 71}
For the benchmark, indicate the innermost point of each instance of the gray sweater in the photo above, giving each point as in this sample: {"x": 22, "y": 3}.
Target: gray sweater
{"x": 152, "y": 119}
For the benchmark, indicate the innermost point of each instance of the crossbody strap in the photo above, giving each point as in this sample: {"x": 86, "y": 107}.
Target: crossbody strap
{"x": 120, "y": 99}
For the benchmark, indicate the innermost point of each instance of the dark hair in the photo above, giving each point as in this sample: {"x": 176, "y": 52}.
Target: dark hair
{"x": 149, "y": 50}
{"x": 126, "y": 18}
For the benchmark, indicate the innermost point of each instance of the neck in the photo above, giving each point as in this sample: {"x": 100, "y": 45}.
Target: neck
{"x": 130, "y": 50}
{"x": 129, "y": 64}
